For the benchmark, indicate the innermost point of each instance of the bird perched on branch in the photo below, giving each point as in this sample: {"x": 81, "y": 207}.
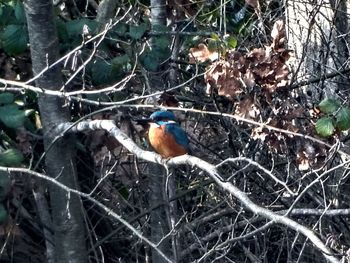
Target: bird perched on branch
{"x": 166, "y": 136}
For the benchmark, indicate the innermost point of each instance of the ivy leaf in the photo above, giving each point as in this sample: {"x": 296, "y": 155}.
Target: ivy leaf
{"x": 6, "y": 98}
{"x": 150, "y": 60}
{"x": 215, "y": 36}
{"x": 120, "y": 29}
{"x": 14, "y": 39}
{"x": 329, "y": 105}
{"x": 11, "y": 157}
{"x": 162, "y": 42}
{"x": 75, "y": 27}
{"x": 19, "y": 12}
{"x": 231, "y": 42}
{"x": 343, "y": 119}
{"x": 106, "y": 72}
{"x": 101, "y": 72}
{"x": 136, "y": 32}
{"x": 11, "y": 116}
{"x": 6, "y": 15}
{"x": 325, "y": 127}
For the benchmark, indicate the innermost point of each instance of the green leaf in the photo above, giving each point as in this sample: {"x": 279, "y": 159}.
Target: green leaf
{"x": 231, "y": 42}
{"x": 120, "y": 29}
{"x": 329, "y": 105}
{"x": 11, "y": 116}
{"x": 6, "y": 98}
{"x": 106, "y": 72}
{"x": 101, "y": 72}
{"x": 215, "y": 36}
{"x": 5, "y": 185}
{"x": 213, "y": 45}
{"x": 343, "y": 119}
{"x": 14, "y": 39}
{"x": 7, "y": 15}
{"x": 75, "y": 27}
{"x": 62, "y": 30}
{"x": 325, "y": 127}
{"x": 120, "y": 60}
{"x": 3, "y": 214}
{"x": 19, "y": 12}
{"x": 11, "y": 157}
{"x": 136, "y": 32}
{"x": 150, "y": 60}
{"x": 162, "y": 42}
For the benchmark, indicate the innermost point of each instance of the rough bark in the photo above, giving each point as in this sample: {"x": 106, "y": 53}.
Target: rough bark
{"x": 159, "y": 222}
{"x": 106, "y": 11}
{"x": 67, "y": 216}
{"x": 317, "y": 32}
{"x": 310, "y": 35}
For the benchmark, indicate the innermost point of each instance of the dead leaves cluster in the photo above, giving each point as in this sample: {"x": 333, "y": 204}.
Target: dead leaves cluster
{"x": 238, "y": 72}
{"x": 252, "y": 80}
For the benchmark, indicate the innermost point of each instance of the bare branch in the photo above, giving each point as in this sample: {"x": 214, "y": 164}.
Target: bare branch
{"x": 113, "y": 130}
{"x": 69, "y": 190}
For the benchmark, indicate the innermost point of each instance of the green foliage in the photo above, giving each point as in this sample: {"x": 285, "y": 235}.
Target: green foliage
{"x": 325, "y": 127}
{"x": 75, "y": 27}
{"x": 137, "y": 32}
{"x": 11, "y": 116}
{"x": 7, "y": 15}
{"x": 14, "y": 39}
{"x": 343, "y": 118}
{"x": 13, "y": 30}
{"x": 20, "y": 13}
{"x": 151, "y": 59}
{"x": 329, "y": 105}
{"x": 231, "y": 42}
{"x": 338, "y": 117}
{"x": 11, "y": 158}
{"x": 6, "y": 98}
{"x": 109, "y": 71}
{"x": 221, "y": 45}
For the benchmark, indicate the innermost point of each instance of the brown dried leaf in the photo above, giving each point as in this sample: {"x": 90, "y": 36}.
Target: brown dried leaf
{"x": 202, "y": 54}
{"x": 247, "y": 109}
{"x": 302, "y": 162}
{"x": 257, "y": 55}
{"x": 258, "y": 133}
{"x": 252, "y": 3}
{"x": 230, "y": 88}
{"x": 278, "y": 34}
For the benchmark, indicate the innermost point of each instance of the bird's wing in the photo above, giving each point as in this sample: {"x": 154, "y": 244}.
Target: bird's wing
{"x": 178, "y": 133}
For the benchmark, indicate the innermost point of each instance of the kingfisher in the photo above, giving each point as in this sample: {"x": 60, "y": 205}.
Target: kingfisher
{"x": 166, "y": 136}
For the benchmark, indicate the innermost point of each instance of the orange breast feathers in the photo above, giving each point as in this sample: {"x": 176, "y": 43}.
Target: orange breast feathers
{"x": 164, "y": 143}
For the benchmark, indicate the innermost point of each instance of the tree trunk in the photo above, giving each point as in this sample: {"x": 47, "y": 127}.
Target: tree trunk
{"x": 159, "y": 222}
{"x": 318, "y": 35}
{"x": 67, "y": 216}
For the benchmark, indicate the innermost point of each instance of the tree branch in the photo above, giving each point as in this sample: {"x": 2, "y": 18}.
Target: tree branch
{"x": 113, "y": 130}
{"x": 109, "y": 211}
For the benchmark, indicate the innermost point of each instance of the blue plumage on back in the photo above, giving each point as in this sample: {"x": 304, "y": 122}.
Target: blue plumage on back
{"x": 179, "y": 134}
{"x": 166, "y": 121}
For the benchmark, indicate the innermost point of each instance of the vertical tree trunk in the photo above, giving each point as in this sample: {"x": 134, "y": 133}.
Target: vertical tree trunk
{"x": 317, "y": 32}
{"x": 309, "y": 33}
{"x": 159, "y": 222}
{"x": 67, "y": 216}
